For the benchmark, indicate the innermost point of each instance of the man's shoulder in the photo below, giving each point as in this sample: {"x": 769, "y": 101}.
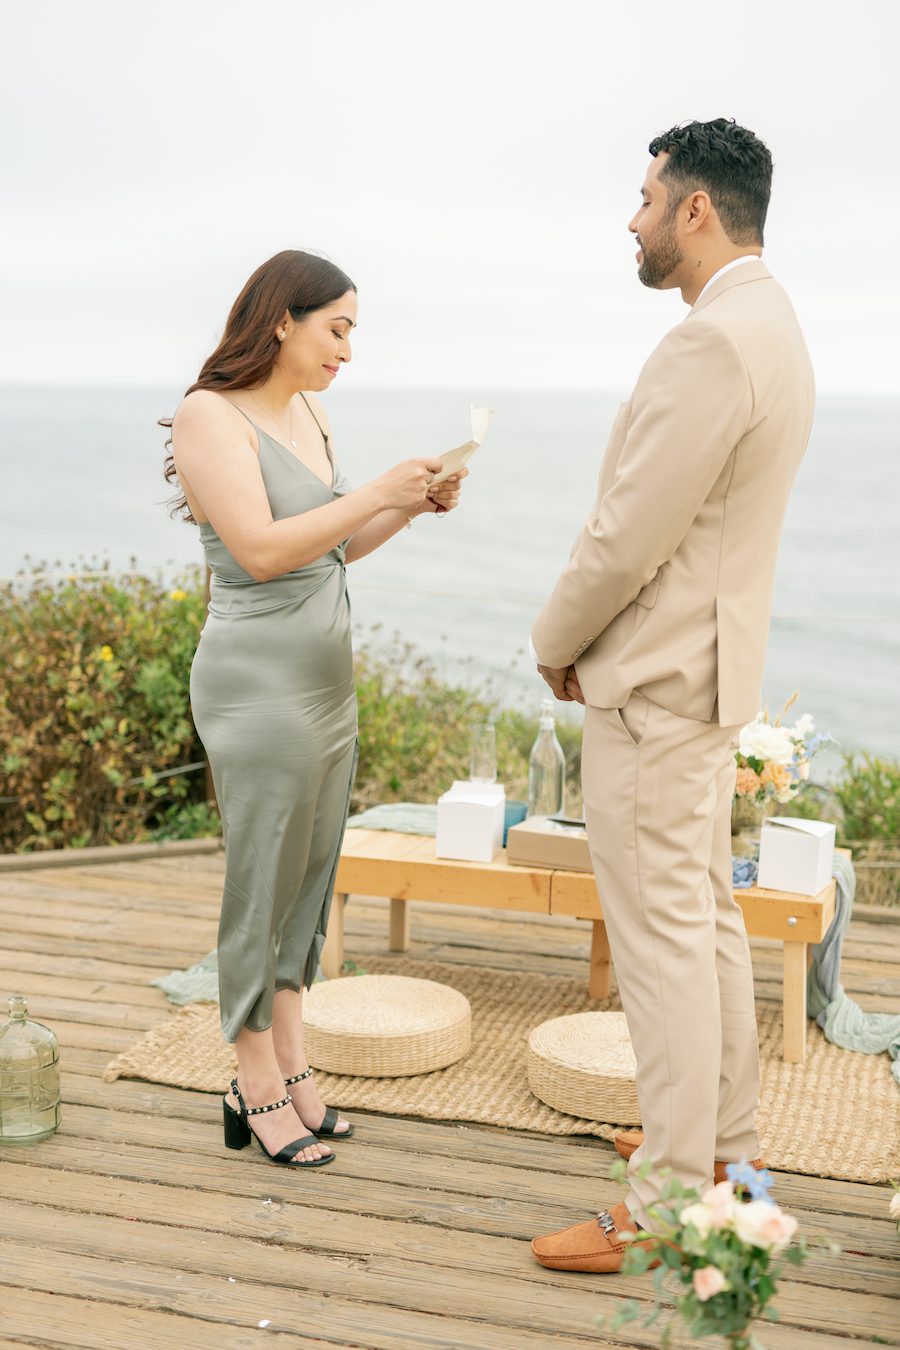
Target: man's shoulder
{"x": 689, "y": 343}
{"x": 745, "y": 340}
{"x": 751, "y": 316}
{"x": 749, "y": 297}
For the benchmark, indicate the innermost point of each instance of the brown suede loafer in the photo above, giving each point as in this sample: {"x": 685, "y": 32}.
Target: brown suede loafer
{"x": 628, "y": 1141}
{"x": 596, "y": 1245}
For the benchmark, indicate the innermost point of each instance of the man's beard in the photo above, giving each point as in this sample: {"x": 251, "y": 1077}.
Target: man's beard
{"x": 660, "y": 259}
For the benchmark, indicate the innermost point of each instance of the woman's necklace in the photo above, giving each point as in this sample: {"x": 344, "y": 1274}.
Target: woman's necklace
{"x": 273, "y": 418}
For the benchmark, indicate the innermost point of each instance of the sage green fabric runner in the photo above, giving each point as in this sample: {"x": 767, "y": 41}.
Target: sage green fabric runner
{"x": 843, "y": 1021}
{"x": 404, "y": 817}
{"x": 198, "y": 984}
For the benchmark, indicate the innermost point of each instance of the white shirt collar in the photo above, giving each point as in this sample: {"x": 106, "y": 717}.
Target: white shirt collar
{"x": 735, "y": 262}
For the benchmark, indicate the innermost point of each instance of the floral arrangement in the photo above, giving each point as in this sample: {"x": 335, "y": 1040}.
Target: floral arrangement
{"x": 772, "y": 759}
{"x": 720, "y": 1257}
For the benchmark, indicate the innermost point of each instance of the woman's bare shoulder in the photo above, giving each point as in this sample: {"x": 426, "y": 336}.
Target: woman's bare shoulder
{"x": 205, "y": 410}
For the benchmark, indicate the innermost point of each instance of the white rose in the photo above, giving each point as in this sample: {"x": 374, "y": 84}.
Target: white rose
{"x": 747, "y": 738}
{"x": 803, "y": 728}
{"x": 760, "y": 741}
{"x": 761, "y": 1224}
{"x": 720, "y": 1204}
{"x": 699, "y": 1217}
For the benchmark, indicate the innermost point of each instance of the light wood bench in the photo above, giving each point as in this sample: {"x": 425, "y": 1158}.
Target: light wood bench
{"x": 402, "y": 867}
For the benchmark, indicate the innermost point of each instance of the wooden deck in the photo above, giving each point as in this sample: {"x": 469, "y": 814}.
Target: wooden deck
{"x": 134, "y": 1228}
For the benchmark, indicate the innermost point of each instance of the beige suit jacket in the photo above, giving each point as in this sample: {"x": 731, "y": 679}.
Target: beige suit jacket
{"x": 668, "y": 589}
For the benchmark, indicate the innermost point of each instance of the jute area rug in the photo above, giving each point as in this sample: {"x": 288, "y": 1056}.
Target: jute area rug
{"x": 835, "y": 1115}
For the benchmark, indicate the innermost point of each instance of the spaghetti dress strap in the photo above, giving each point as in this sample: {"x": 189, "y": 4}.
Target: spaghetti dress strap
{"x": 239, "y": 409}
{"x": 318, "y": 423}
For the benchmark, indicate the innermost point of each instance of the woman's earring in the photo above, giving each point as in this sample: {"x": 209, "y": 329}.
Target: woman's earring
{"x": 281, "y": 337}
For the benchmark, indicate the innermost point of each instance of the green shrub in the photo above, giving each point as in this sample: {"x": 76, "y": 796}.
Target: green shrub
{"x": 188, "y": 820}
{"x": 95, "y": 728}
{"x": 868, "y": 793}
{"x": 94, "y": 707}
{"x": 864, "y": 806}
{"x": 415, "y": 731}
{"x": 95, "y": 718}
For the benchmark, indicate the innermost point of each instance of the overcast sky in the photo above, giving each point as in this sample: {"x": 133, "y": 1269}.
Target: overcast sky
{"x": 472, "y": 165}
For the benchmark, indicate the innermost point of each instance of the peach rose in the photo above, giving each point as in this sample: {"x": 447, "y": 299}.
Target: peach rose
{"x": 708, "y": 1281}
{"x": 761, "y": 1224}
{"x": 747, "y": 783}
{"x": 777, "y": 777}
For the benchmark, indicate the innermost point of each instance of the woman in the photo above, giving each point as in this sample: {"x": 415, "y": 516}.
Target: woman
{"x": 272, "y": 687}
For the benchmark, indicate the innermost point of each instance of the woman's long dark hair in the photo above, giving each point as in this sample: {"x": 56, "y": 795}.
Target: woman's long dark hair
{"x": 292, "y": 280}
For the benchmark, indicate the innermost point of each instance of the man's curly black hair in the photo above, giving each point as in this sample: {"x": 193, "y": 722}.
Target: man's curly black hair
{"x": 725, "y": 160}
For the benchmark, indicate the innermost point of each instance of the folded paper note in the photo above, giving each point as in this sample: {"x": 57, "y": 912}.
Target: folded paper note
{"x": 454, "y": 460}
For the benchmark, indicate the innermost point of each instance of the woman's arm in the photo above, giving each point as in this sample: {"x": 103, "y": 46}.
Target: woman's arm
{"x": 440, "y": 500}
{"x": 219, "y": 469}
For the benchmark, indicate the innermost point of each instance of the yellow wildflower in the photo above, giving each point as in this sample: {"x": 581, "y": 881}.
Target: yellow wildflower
{"x": 106, "y": 653}
{"x": 178, "y": 594}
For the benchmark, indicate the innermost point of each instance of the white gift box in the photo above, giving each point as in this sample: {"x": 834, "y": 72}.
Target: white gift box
{"x": 470, "y": 821}
{"x": 795, "y": 855}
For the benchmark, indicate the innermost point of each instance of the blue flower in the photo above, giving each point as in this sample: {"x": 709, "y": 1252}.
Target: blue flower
{"x": 817, "y": 741}
{"x": 756, "y": 1184}
{"x": 743, "y": 872}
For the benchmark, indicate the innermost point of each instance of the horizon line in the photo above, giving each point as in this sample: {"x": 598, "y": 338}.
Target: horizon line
{"x": 364, "y": 387}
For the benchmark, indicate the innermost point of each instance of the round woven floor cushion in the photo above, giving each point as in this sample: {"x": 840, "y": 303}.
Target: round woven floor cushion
{"x": 584, "y": 1065}
{"x": 385, "y": 1026}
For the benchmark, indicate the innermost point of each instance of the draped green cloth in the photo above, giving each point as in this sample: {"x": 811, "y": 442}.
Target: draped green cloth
{"x": 199, "y": 984}
{"x": 404, "y": 817}
{"x": 843, "y": 1021}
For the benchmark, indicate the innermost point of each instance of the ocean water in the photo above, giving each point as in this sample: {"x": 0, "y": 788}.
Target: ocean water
{"x": 82, "y": 482}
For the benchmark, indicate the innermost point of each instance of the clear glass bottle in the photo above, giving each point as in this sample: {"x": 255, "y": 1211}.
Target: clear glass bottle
{"x": 546, "y": 769}
{"x": 483, "y": 754}
{"x": 29, "y": 1078}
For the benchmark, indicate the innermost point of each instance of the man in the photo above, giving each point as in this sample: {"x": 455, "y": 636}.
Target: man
{"x": 659, "y": 625}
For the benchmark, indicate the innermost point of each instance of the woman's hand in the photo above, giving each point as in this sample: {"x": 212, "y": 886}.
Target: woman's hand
{"x": 404, "y": 487}
{"x": 445, "y": 497}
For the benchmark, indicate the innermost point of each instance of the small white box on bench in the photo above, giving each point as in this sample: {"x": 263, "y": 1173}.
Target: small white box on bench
{"x": 470, "y": 821}
{"x": 795, "y": 855}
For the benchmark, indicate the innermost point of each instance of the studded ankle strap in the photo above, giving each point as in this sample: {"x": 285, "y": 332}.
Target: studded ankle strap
{"x": 255, "y": 1110}
{"x": 273, "y": 1106}
{"x": 298, "y": 1078}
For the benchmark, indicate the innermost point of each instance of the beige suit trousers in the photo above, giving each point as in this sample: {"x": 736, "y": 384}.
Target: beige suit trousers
{"x": 657, "y": 795}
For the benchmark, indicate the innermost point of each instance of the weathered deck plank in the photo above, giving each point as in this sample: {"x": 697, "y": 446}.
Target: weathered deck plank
{"x": 130, "y": 1221}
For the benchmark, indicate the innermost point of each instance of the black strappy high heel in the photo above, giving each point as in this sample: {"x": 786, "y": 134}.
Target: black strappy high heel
{"x": 238, "y": 1132}
{"x": 326, "y": 1130}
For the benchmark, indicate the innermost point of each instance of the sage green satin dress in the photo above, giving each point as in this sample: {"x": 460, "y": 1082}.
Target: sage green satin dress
{"x": 274, "y": 703}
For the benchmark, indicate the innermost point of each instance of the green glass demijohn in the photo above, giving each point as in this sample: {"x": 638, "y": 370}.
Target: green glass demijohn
{"x": 29, "y": 1078}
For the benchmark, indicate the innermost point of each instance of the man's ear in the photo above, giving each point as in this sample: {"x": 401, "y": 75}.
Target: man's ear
{"x": 699, "y": 210}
